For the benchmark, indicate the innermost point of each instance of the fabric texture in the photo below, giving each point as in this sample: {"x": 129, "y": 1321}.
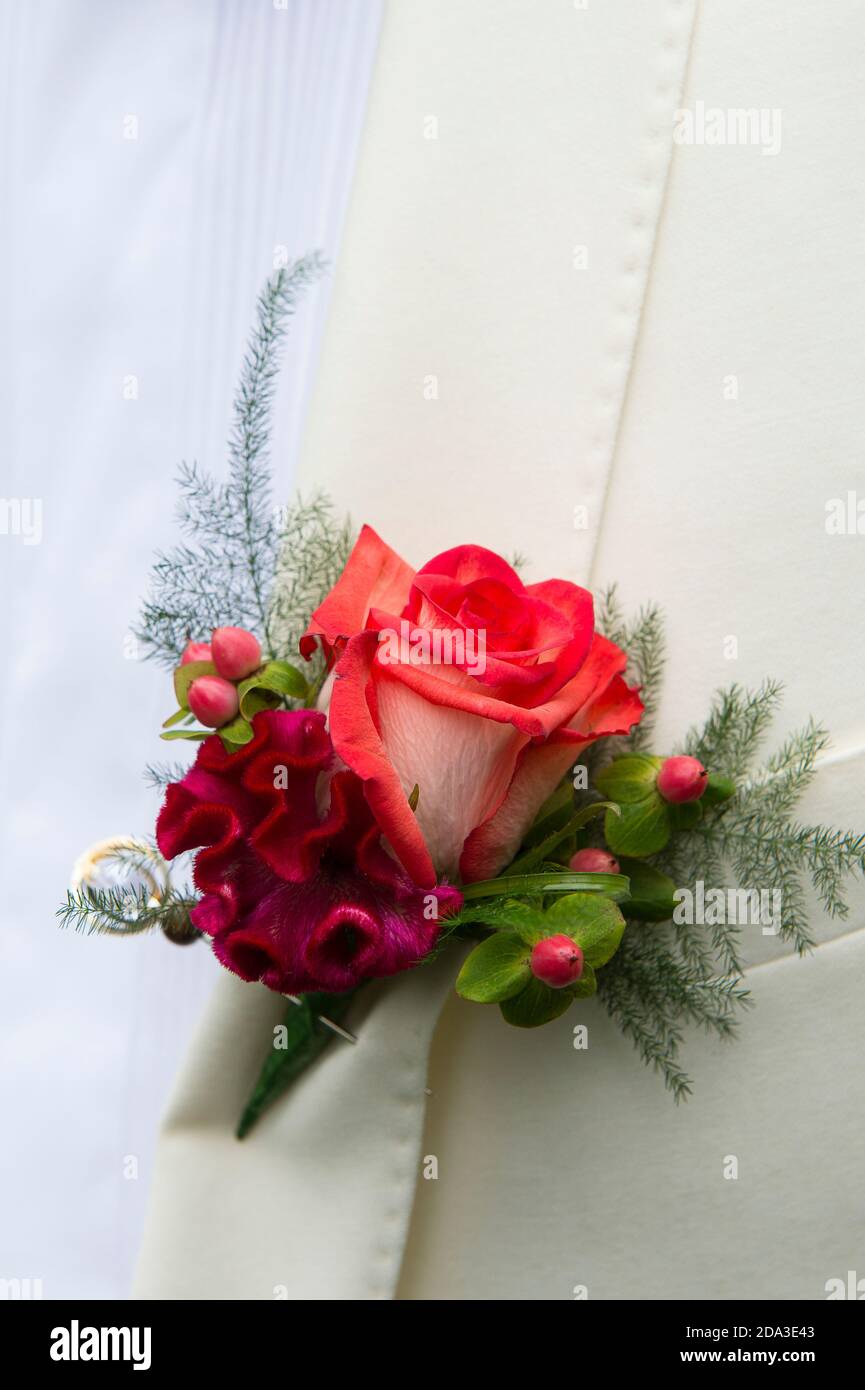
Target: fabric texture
{"x": 159, "y": 158}
{"x": 555, "y": 330}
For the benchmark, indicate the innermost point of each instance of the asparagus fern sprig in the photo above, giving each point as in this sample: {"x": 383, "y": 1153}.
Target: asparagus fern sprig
{"x": 123, "y": 910}
{"x": 243, "y": 561}
{"x": 670, "y": 974}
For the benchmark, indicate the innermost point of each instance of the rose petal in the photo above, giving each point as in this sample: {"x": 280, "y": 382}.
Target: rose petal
{"x": 374, "y": 576}
{"x": 358, "y": 742}
{"x": 612, "y": 707}
{"x": 461, "y": 764}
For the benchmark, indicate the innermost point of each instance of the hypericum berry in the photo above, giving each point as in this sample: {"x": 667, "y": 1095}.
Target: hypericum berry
{"x": 594, "y": 861}
{"x": 236, "y": 653}
{"x": 557, "y": 961}
{"x": 682, "y": 779}
{"x": 213, "y": 701}
{"x": 195, "y": 651}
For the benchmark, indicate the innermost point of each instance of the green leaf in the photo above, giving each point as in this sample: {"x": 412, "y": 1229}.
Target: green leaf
{"x": 718, "y": 789}
{"x": 305, "y": 1038}
{"x": 652, "y": 893}
{"x": 175, "y": 718}
{"x": 554, "y": 812}
{"x": 595, "y": 924}
{"x": 684, "y": 815}
{"x": 499, "y": 914}
{"x": 266, "y": 688}
{"x": 613, "y": 886}
{"x": 195, "y": 734}
{"x": 256, "y": 699}
{"x": 235, "y": 734}
{"x": 414, "y": 797}
{"x": 586, "y": 985}
{"x": 284, "y": 678}
{"x": 630, "y": 778}
{"x": 643, "y": 827}
{"x": 541, "y": 851}
{"x": 524, "y": 917}
{"x": 495, "y": 970}
{"x": 536, "y": 1004}
{"x": 185, "y": 675}
{"x": 253, "y": 697}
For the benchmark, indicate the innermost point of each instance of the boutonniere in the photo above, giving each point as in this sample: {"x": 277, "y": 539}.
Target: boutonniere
{"x": 394, "y": 761}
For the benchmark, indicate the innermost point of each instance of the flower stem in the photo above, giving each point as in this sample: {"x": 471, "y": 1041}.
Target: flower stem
{"x": 615, "y": 886}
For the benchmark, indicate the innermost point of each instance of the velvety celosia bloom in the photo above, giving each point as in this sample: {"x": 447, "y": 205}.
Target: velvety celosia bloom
{"x": 298, "y": 890}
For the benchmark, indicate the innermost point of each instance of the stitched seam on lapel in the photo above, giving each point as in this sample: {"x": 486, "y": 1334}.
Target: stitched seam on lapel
{"x": 404, "y": 1121}
{"x": 793, "y": 955}
{"x": 407, "y": 1126}
{"x": 671, "y": 60}
{"x": 837, "y": 757}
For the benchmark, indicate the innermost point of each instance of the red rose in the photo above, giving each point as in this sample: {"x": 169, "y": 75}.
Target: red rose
{"x": 476, "y": 688}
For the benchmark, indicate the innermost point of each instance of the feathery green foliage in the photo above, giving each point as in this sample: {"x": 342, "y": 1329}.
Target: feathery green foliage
{"x": 143, "y": 901}
{"x": 123, "y": 911}
{"x": 245, "y": 562}
{"x": 313, "y": 548}
{"x": 736, "y": 726}
{"x": 666, "y": 975}
{"x": 642, "y": 637}
{"x": 161, "y": 775}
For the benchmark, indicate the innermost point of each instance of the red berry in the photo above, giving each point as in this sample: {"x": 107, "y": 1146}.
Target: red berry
{"x": 557, "y": 961}
{"x": 594, "y": 861}
{"x": 682, "y": 779}
{"x": 195, "y": 651}
{"x": 213, "y": 701}
{"x": 236, "y": 652}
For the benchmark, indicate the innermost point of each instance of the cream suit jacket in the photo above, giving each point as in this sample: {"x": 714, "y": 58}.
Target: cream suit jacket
{"x": 568, "y": 322}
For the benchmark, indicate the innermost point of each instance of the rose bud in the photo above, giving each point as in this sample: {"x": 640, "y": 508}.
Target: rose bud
{"x": 195, "y": 651}
{"x": 213, "y": 701}
{"x": 236, "y": 652}
{"x": 557, "y": 961}
{"x": 594, "y": 861}
{"x": 682, "y": 779}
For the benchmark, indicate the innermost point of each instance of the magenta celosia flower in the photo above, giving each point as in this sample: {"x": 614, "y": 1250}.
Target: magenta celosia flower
{"x": 298, "y": 889}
